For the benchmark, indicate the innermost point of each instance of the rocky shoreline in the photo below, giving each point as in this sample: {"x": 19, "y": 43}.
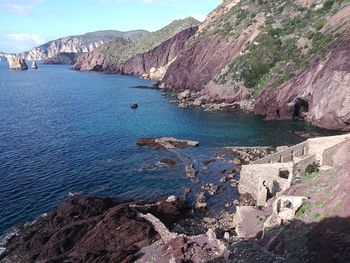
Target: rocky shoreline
{"x": 187, "y": 229}
{"x": 91, "y": 229}
{"x": 190, "y": 99}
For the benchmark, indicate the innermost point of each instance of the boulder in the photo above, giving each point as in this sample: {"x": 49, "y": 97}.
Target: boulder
{"x": 134, "y": 106}
{"x": 191, "y": 172}
{"x": 184, "y": 95}
{"x": 200, "y": 202}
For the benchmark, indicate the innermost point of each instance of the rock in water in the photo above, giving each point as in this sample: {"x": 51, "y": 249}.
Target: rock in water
{"x": 134, "y": 106}
{"x": 166, "y": 143}
{"x": 17, "y": 63}
{"x": 34, "y": 65}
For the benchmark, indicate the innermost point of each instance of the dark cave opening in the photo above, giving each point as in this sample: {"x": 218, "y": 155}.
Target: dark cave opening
{"x": 301, "y": 108}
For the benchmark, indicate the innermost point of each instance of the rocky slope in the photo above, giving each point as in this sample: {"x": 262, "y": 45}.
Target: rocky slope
{"x": 79, "y": 44}
{"x": 155, "y": 50}
{"x": 289, "y": 56}
{"x": 281, "y": 59}
{"x": 63, "y": 58}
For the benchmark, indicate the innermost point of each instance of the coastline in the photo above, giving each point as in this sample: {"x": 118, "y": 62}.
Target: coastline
{"x": 176, "y": 221}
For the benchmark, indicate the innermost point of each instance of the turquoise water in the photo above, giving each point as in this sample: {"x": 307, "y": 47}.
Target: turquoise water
{"x": 64, "y": 132}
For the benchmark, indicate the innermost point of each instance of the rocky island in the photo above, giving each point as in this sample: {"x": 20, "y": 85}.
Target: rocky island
{"x": 17, "y": 63}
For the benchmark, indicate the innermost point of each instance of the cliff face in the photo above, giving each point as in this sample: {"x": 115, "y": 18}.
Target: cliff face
{"x": 63, "y": 58}
{"x": 287, "y": 59}
{"x": 320, "y": 94}
{"x": 153, "y": 64}
{"x": 290, "y": 57}
{"x": 125, "y": 56}
{"x": 17, "y": 63}
{"x": 79, "y": 44}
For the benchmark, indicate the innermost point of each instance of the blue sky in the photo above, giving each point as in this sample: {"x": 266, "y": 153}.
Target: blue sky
{"x": 28, "y": 23}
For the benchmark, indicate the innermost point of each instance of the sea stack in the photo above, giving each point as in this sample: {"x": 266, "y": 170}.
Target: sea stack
{"x": 17, "y": 63}
{"x": 34, "y": 65}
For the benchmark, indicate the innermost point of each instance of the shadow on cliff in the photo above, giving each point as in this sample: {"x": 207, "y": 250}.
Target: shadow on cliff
{"x": 324, "y": 241}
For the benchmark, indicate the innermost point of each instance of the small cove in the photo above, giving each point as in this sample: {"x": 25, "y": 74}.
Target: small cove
{"x": 64, "y": 132}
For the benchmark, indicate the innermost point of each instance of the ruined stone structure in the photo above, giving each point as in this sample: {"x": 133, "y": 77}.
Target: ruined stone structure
{"x": 269, "y": 176}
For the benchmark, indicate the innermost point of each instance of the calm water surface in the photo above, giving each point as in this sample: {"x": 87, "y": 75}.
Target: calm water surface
{"x": 64, "y": 132}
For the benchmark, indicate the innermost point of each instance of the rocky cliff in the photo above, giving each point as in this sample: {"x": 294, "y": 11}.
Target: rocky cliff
{"x": 281, "y": 59}
{"x": 16, "y": 63}
{"x": 289, "y": 58}
{"x": 154, "y": 63}
{"x": 63, "y": 58}
{"x": 155, "y": 50}
{"x": 79, "y": 44}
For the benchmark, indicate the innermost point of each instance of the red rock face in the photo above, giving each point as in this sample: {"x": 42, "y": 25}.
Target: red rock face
{"x": 141, "y": 63}
{"x": 158, "y": 57}
{"x": 92, "y": 61}
{"x": 199, "y": 63}
{"x": 88, "y": 229}
{"x": 319, "y": 94}
{"x": 203, "y": 59}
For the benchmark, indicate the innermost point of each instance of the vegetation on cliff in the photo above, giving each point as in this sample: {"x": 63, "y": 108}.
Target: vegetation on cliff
{"x": 292, "y": 34}
{"x": 120, "y": 50}
{"x": 63, "y": 58}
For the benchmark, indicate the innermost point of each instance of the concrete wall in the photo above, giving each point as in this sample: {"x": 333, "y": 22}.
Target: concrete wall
{"x": 253, "y": 175}
{"x": 301, "y": 165}
{"x": 286, "y": 155}
{"x": 327, "y": 158}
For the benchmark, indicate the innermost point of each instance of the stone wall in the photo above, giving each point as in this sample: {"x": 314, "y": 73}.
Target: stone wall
{"x": 327, "y": 158}
{"x": 286, "y": 155}
{"x": 301, "y": 165}
{"x": 256, "y": 175}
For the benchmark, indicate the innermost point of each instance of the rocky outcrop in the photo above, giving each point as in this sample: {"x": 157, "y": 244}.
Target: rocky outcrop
{"x": 3, "y": 56}
{"x": 79, "y": 44}
{"x": 150, "y": 55}
{"x": 87, "y": 229}
{"x": 17, "y": 63}
{"x": 63, "y": 58}
{"x": 166, "y": 143}
{"x": 154, "y": 64}
{"x": 320, "y": 94}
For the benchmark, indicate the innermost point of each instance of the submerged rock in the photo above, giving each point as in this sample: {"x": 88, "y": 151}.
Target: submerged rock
{"x": 191, "y": 172}
{"x": 166, "y": 143}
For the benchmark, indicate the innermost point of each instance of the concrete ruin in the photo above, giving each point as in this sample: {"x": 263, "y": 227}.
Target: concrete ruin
{"x": 268, "y": 177}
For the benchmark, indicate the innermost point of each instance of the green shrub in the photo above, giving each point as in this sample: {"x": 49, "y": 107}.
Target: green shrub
{"x": 311, "y": 169}
{"x": 304, "y": 209}
{"x": 328, "y": 5}
{"x": 320, "y": 23}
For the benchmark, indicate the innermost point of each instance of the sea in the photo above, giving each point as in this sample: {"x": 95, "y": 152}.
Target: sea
{"x": 64, "y": 133}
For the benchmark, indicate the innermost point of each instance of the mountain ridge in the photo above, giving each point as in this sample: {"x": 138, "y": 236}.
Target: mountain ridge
{"x": 79, "y": 43}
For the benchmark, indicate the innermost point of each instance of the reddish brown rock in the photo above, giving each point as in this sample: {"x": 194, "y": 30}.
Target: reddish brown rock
{"x": 87, "y": 229}
{"x": 319, "y": 94}
{"x": 140, "y": 64}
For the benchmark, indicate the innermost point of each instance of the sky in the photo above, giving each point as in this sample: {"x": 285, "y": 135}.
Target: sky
{"x": 25, "y": 24}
